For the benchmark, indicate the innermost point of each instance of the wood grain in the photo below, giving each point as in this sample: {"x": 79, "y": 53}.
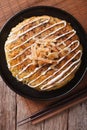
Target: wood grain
{"x": 7, "y": 107}
{"x": 61, "y": 108}
{"x": 77, "y": 118}
{"x": 72, "y": 119}
{"x": 58, "y": 122}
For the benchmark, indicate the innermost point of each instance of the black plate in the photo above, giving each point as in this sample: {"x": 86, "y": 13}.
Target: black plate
{"x": 22, "y": 89}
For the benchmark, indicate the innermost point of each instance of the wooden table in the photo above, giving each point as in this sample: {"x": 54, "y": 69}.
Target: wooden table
{"x": 71, "y": 119}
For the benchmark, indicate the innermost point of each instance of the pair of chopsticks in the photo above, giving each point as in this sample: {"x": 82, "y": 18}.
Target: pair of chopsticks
{"x": 57, "y": 105}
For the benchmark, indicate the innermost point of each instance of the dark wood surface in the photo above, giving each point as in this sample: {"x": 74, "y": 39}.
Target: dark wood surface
{"x": 72, "y": 119}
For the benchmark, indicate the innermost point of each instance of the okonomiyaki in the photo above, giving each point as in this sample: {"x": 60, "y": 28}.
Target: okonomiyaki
{"x": 43, "y": 52}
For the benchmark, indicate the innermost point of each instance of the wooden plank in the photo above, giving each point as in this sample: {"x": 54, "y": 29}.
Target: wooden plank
{"x": 58, "y": 122}
{"x": 29, "y": 126}
{"x": 62, "y": 108}
{"x": 77, "y": 119}
{"x": 7, "y": 107}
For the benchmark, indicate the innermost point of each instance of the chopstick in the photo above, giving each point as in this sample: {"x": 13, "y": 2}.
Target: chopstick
{"x": 54, "y": 106}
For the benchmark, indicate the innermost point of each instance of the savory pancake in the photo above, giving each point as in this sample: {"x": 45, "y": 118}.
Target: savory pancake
{"x": 43, "y": 52}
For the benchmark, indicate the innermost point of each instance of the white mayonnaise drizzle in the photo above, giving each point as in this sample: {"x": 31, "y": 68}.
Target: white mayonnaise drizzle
{"x": 49, "y": 68}
{"x": 59, "y": 52}
{"x": 21, "y": 34}
{"x": 29, "y": 22}
{"x": 63, "y": 72}
{"x": 35, "y": 36}
{"x": 12, "y": 66}
{"x": 50, "y": 86}
{"x": 72, "y": 31}
{"x": 30, "y": 73}
{"x": 54, "y": 79}
{"x": 62, "y": 22}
